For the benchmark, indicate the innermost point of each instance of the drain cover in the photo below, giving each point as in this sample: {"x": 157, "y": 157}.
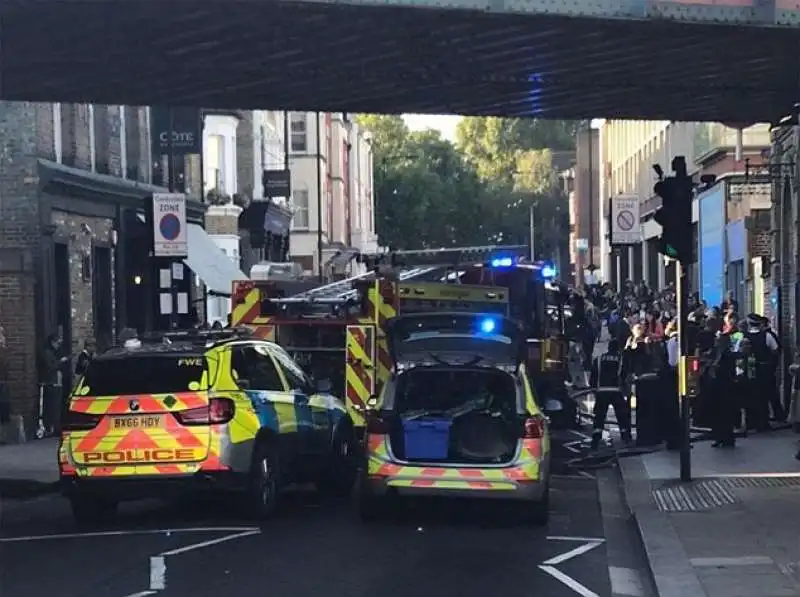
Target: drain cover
{"x": 702, "y": 495}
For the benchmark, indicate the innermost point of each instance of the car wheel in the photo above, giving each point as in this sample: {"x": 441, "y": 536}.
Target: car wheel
{"x": 339, "y": 474}
{"x": 87, "y": 510}
{"x": 264, "y": 489}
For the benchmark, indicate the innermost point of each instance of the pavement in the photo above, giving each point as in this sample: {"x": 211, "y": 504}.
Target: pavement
{"x": 28, "y": 469}
{"x": 444, "y": 548}
{"x": 732, "y": 531}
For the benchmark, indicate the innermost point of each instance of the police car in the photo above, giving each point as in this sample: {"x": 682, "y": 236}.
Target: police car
{"x": 200, "y": 410}
{"x": 458, "y": 417}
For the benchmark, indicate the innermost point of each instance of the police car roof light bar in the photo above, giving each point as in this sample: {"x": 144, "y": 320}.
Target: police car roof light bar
{"x": 195, "y": 335}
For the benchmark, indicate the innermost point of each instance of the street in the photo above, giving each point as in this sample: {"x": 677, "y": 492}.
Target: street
{"x": 446, "y": 548}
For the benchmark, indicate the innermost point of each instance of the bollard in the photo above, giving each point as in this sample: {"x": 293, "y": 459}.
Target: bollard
{"x": 647, "y": 410}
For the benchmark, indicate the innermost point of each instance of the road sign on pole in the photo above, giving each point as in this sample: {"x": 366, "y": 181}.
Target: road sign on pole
{"x": 626, "y": 226}
{"x": 169, "y": 225}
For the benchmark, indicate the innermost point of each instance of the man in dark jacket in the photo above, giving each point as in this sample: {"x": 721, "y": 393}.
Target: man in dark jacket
{"x": 766, "y": 350}
{"x": 606, "y": 379}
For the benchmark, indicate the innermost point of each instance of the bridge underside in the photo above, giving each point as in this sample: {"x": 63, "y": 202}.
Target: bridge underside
{"x": 309, "y": 56}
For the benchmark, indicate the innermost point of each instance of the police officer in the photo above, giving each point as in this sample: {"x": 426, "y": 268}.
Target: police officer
{"x": 606, "y": 374}
{"x": 765, "y": 348}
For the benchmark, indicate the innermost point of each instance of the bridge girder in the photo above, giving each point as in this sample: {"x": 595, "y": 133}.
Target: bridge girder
{"x": 341, "y": 57}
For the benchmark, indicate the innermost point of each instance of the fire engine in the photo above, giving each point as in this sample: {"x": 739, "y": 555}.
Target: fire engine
{"x": 343, "y": 323}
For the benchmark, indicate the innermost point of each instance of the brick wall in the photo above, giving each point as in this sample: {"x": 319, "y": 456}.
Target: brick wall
{"x": 108, "y": 144}
{"x": 785, "y": 239}
{"x": 137, "y": 143}
{"x": 24, "y": 134}
{"x": 759, "y": 238}
{"x": 27, "y": 132}
{"x": 75, "y": 146}
{"x": 74, "y": 228}
{"x": 223, "y": 219}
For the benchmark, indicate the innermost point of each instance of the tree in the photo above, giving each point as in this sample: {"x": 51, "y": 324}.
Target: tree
{"x": 514, "y": 158}
{"x": 427, "y": 195}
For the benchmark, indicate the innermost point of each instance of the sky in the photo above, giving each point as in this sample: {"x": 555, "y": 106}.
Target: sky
{"x": 446, "y": 125}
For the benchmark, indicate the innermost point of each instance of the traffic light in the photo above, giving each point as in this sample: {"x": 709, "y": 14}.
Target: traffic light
{"x": 675, "y": 214}
{"x": 689, "y": 376}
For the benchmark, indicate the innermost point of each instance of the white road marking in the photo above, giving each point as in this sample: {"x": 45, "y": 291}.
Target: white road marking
{"x": 581, "y": 434}
{"x": 577, "y": 475}
{"x": 158, "y": 564}
{"x": 209, "y": 543}
{"x": 728, "y": 562}
{"x": 625, "y": 582}
{"x": 568, "y": 581}
{"x": 572, "y": 553}
{"x": 124, "y": 533}
{"x": 570, "y": 446}
{"x": 581, "y": 539}
{"x": 548, "y": 566}
{"x": 158, "y": 573}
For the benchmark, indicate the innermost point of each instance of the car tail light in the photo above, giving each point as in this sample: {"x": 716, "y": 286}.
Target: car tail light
{"x": 378, "y": 424}
{"x": 218, "y": 411}
{"x": 75, "y": 421}
{"x": 534, "y": 427}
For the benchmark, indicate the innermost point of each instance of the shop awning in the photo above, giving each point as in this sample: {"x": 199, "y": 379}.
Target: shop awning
{"x": 215, "y": 269}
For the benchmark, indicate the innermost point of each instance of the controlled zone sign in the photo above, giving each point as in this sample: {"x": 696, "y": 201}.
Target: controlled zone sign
{"x": 626, "y": 225}
{"x": 169, "y": 225}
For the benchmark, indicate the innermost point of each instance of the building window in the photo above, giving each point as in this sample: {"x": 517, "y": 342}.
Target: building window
{"x": 299, "y": 133}
{"x": 300, "y": 200}
{"x": 214, "y": 163}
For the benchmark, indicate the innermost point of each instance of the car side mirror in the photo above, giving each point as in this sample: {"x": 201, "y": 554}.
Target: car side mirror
{"x": 323, "y": 386}
{"x": 243, "y": 383}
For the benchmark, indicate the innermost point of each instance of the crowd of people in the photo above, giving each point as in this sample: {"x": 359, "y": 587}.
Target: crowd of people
{"x": 739, "y": 359}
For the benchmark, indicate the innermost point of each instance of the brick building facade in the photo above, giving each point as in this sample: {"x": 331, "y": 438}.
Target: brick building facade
{"x": 74, "y": 180}
{"x": 783, "y": 172}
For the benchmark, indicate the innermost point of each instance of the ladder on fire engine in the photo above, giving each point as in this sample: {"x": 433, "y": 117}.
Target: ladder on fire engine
{"x": 343, "y": 289}
{"x": 444, "y": 257}
{"x": 411, "y": 264}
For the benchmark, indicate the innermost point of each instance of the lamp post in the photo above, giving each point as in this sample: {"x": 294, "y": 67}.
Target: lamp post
{"x": 319, "y": 199}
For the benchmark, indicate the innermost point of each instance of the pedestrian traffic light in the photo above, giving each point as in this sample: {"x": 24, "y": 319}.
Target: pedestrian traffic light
{"x": 675, "y": 214}
{"x": 689, "y": 376}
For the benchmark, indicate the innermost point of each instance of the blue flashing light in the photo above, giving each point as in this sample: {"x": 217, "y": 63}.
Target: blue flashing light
{"x": 502, "y": 262}
{"x": 488, "y": 326}
{"x": 549, "y": 271}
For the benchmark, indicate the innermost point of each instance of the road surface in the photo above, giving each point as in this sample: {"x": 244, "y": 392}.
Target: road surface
{"x": 431, "y": 549}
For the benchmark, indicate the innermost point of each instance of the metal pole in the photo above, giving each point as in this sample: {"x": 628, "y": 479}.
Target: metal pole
{"x": 683, "y": 350}
{"x": 173, "y": 322}
{"x": 319, "y": 200}
{"x": 286, "y": 141}
{"x": 171, "y": 152}
{"x": 531, "y": 219}
{"x": 284, "y": 240}
{"x": 202, "y": 200}
{"x": 591, "y": 202}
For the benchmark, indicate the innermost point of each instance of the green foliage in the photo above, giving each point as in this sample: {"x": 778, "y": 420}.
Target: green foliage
{"x": 514, "y": 158}
{"x": 432, "y": 193}
{"x": 427, "y": 195}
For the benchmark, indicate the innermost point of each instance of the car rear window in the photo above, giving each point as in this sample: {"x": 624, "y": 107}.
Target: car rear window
{"x": 142, "y": 375}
